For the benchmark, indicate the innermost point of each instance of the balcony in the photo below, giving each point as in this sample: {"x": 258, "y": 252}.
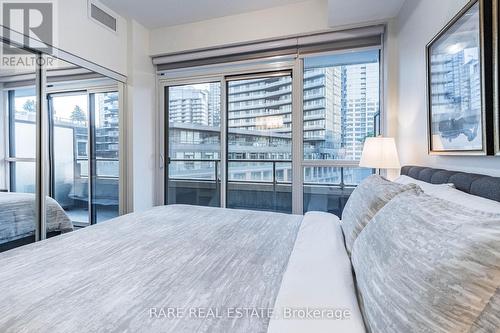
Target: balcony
{"x": 264, "y": 185}
{"x": 73, "y": 194}
{"x": 252, "y": 184}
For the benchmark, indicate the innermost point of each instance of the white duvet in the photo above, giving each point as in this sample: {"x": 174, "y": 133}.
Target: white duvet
{"x": 317, "y": 293}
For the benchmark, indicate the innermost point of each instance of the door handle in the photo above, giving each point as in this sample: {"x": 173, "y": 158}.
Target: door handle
{"x": 162, "y": 162}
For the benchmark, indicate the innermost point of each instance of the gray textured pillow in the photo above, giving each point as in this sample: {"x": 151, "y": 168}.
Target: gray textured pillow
{"x": 427, "y": 265}
{"x": 366, "y": 200}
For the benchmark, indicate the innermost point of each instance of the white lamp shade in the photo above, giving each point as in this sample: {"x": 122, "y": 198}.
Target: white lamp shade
{"x": 380, "y": 153}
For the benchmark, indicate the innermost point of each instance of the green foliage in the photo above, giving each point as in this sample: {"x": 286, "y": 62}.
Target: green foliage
{"x": 78, "y": 115}
{"x": 29, "y": 106}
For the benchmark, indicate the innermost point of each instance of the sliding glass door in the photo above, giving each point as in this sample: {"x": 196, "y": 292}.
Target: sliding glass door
{"x": 105, "y": 155}
{"x": 194, "y": 144}
{"x": 259, "y": 142}
{"x": 84, "y": 150}
{"x": 69, "y": 119}
{"x": 250, "y": 167}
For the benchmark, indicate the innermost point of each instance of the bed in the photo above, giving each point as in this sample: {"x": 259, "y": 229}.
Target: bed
{"x": 184, "y": 268}
{"x": 17, "y": 219}
{"x": 223, "y": 269}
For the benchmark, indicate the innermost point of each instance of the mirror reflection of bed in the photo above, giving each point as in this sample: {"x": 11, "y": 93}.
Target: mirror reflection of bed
{"x": 17, "y": 221}
{"x": 83, "y": 143}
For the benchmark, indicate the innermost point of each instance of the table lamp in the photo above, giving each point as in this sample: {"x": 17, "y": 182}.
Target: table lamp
{"x": 380, "y": 153}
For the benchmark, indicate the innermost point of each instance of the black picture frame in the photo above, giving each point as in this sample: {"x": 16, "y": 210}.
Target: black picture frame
{"x": 496, "y": 43}
{"x": 459, "y": 125}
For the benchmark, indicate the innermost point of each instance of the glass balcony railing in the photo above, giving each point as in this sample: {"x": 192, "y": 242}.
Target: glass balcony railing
{"x": 194, "y": 182}
{"x": 252, "y": 184}
{"x": 261, "y": 185}
{"x": 327, "y": 189}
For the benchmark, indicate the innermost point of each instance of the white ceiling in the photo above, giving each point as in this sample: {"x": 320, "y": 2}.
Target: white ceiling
{"x": 162, "y": 13}
{"x": 352, "y": 12}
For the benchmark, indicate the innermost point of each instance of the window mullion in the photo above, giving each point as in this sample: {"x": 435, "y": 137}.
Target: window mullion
{"x": 297, "y": 136}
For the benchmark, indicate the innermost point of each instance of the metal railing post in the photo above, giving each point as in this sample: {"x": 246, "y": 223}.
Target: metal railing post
{"x": 274, "y": 185}
{"x": 216, "y": 167}
{"x": 342, "y": 184}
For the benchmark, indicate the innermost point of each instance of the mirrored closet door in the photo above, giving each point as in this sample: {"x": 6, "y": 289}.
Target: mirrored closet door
{"x": 60, "y": 140}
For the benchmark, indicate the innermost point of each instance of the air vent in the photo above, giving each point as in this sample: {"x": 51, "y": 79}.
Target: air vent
{"x": 102, "y": 17}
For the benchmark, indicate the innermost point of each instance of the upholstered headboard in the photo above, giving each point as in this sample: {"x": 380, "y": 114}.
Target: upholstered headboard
{"x": 479, "y": 185}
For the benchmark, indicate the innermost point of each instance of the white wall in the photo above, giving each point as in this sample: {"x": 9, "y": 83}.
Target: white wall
{"x": 418, "y": 22}
{"x": 391, "y": 86}
{"x": 78, "y": 34}
{"x": 141, "y": 107}
{"x": 303, "y": 17}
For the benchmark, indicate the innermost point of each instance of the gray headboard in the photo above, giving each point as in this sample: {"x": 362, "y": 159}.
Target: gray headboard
{"x": 479, "y": 185}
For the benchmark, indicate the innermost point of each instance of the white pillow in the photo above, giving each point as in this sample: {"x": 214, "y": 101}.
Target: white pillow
{"x": 426, "y": 187}
{"x": 468, "y": 200}
{"x": 449, "y": 193}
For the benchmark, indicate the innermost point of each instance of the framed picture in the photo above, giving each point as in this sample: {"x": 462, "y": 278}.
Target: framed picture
{"x": 496, "y": 38}
{"x": 460, "y": 83}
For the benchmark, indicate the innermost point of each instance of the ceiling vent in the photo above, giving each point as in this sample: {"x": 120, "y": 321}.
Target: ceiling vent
{"x": 102, "y": 16}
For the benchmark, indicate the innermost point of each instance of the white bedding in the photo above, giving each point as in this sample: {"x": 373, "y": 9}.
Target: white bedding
{"x": 318, "y": 277}
{"x": 127, "y": 274}
{"x": 449, "y": 193}
{"x": 183, "y": 256}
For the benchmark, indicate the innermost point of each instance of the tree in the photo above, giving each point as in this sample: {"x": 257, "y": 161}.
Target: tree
{"x": 78, "y": 115}
{"x": 29, "y": 106}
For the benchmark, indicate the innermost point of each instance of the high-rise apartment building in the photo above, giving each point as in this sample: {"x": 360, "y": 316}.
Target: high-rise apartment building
{"x": 360, "y": 104}
{"x": 190, "y": 105}
{"x": 107, "y": 126}
{"x": 214, "y": 105}
{"x": 460, "y": 67}
{"x": 323, "y": 113}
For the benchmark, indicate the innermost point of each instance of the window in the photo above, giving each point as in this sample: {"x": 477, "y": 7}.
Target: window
{"x": 22, "y": 140}
{"x": 341, "y": 100}
{"x": 340, "y": 109}
{"x": 341, "y": 103}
